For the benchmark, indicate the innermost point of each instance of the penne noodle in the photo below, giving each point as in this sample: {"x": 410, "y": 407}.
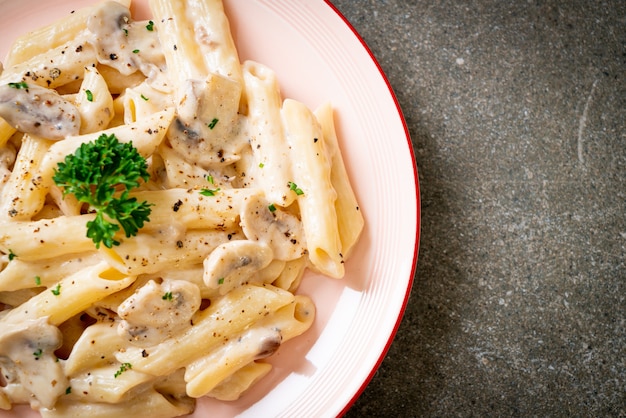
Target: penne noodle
{"x": 349, "y": 217}
{"x": 71, "y": 295}
{"x": 231, "y": 388}
{"x": 271, "y": 165}
{"x": 23, "y": 195}
{"x": 50, "y": 36}
{"x": 94, "y": 102}
{"x": 312, "y": 176}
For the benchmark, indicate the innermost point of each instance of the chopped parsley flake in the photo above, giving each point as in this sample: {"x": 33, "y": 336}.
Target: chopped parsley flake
{"x": 68, "y": 390}
{"x": 272, "y": 208}
{"x": 167, "y": 296}
{"x": 89, "y": 95}
{"x": 210, "y": 179}
{"x": 38, "y": 280}
{"x": 150, "y": 26}
{"x": 220, "y": 281}
{"x": 57, "y": 290}
{"x": 261, "y": 165}
{"x": 293, "y": 186}
{"x": 135, "y": 51}
{"x": 38, "y": 354}
{"x": 213, "y": 123}
{"x": 11, "y": 255}
{"x": 144, "y": 97}
{"x": 20, "y": 85}
{"x": 209, "y": 192}
{"x": 122, "y": 369}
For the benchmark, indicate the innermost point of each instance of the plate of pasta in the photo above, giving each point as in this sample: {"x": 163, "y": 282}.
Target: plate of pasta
{"x": 206, "y": 207}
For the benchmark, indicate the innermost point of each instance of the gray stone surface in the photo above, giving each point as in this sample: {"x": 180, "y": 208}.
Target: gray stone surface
{"x": 517, "y": 112}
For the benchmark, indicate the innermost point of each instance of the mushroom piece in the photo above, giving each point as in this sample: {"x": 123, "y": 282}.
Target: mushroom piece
{"x": 207, "y": 130}
{"x": 234, "y": 263}
{"x": 279, "y": 229}
{"x": 156, "y": 312}
{"x": 27, "y": 357}
{"x": 38, "y": 111}
{"x": 109, "y": 25}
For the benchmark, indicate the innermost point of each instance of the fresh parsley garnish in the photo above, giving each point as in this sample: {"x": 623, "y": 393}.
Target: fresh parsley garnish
{"x": 209, "y": 192}
{"x": 122, "y": 369}
{"x": 38, "y": 280}
{"x": 213, "y": 123}
{"x": 150, "y": 26}
{"x": 38, "y": 354}
{"x": 101, "y": 174}
{"x": 20, "y": 85}
{"x": 294, "y": 187}
{"x": 272, "y": 208}
{"x": 89, "y": 95}
{"x": 220, "y": 281}
{"x": 12, "y": 255}
{"x": 57, "y": 290}
{"x": 167, "y": 296}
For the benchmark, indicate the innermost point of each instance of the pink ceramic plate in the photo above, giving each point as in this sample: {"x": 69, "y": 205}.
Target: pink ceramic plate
{"x": 318, "y": 57}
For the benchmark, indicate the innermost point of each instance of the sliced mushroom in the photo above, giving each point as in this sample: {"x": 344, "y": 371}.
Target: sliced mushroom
{"x": 234, "y": 263}
{"x": 156, "y": 312}
{"x": 38, "y": 111}
{"x": 280, "y": 230}
{"x": 207, "y": 130}
{"x": 27, "y": 357}
{"x": 109, "y": 25}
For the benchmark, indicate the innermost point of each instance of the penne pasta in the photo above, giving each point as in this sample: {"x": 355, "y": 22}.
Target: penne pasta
{"x": 271, "y": 165}
{"x": 312, "y": 177}
{"x": 71, "y": 295}
{"x": 23, "y": 196}
{"x": 349, "y": 217}
{"x": 50, "y": 36}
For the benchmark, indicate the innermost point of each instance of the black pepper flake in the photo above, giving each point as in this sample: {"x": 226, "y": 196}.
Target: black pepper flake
{"x": 314, "y": 140}
{"x": 113, "y": 57}
{"x": 79, "y": 48}
{"x": 177, "y": 205}
{"x": 144, "y": 354}
{"x": 175, "y": 47}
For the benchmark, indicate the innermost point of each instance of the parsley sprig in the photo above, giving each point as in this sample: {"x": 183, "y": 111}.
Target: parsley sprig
{"x": 101, "y": 174}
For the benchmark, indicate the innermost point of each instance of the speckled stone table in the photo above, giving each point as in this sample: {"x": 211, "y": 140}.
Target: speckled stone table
{"x": 517, "y": 112}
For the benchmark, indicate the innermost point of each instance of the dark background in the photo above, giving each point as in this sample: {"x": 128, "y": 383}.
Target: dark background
{"x": 517, "y": 114}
